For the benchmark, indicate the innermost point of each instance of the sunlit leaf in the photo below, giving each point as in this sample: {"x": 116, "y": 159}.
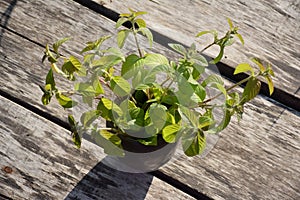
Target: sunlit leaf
{"x": 258, "y": 62}
{"x": 270, "y": 84}
{"x": 57, "y": 44}
{"x": 243, "y": 67}
{"x": 193, "y": 143}
{"x": 252, "y": 89}
{"x": 170, "y": 133}
{"x": 178, "y": 48}
{"x": 122, "y": 36}
{"x": 120, "y": 86}
{"x": 146, "y": 32}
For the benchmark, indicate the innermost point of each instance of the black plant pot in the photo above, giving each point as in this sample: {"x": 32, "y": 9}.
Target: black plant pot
{"x": 140, "y": 158}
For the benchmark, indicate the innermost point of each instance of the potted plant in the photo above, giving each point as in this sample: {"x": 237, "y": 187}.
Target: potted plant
{"x": 148, "y": 101}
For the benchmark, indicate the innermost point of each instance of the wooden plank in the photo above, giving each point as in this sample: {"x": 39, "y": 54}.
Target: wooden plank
{"x": 38, "y": 161}
{"x": 261, "y": 161}
{"x": 205, "y": 175}
{"x": 270, "y": 29}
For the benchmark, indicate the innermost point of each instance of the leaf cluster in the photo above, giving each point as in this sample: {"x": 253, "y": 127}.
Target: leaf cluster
{"x": 147, "y": 106}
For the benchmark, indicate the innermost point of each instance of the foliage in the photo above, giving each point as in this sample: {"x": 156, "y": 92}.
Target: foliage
{"x": 176, "y": 107}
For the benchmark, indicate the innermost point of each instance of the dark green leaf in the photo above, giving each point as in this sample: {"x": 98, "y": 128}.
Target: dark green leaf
{"x": 193, "y": 143}
{"x": 252, "y": 89}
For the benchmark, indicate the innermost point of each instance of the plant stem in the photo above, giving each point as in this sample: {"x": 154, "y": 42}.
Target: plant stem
{"x": 208, "y": 46}
{"x": 136, "y": 40}
{"x": 227, "y": 90}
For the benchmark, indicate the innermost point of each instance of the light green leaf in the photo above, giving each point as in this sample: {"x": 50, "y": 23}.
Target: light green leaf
{"x": 240, "y": 38}
{"x": 131, "y": 66}
{"x": 258, "y": 62}
{"x": 189, "y": 117}
{"x": 219, "y": 57}
{"x": 76, "y": 63}
{"x": 150, "y": 141}
{"x": 121, "y": 38}
{"x": 153, "y": 60}
{"x": 213, "y": 32}
{"x": 57, "y": 44}
{"x": 121, "y": 21}
{"x": 110, "y": 142}
{"x": 170, "y": 133}
{"x": 230, "y": 23}
{"x": 89, "y": 117}
{"x": 212, "y": 79}
{"x": 158, "y": 116}
{"x": 107, "y": 61}
{"x": 120, "y": 86}
{"x": 146, "y": 32}
{"x": 270, "y": 84}
{"x": 243, "y": 67}
{"x": 178, "y": 48}
{"x": 205, "y": 121}
{"x": 141, "y": 23}
{"x": 65, "y": 101}
{"x": 85, "y": 89}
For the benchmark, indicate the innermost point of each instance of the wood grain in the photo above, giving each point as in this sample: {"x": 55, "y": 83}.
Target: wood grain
{"x": 45, "y": 165}
{"x": 270, "y": 29}
{"x": 239, "y": 167}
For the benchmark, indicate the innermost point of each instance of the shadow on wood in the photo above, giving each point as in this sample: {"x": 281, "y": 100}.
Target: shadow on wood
{"x": 5, "y": 17}
{"x": 103, "y": 182}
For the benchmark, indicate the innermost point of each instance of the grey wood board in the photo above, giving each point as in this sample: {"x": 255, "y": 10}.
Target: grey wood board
{"x": 38, "y": 161}
{"x": 271, "y": 29}
{"x": 187, "y": 171}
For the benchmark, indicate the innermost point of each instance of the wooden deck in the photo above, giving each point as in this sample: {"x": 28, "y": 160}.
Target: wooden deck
{"x": 38, "y": 160}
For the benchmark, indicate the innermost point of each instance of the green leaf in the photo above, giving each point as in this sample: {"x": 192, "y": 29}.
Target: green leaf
{"x": 46, "y": 98}
{"x": 65, "y": 101}
{"x": 158, "y": 116}
{"x": 50, "y": 79}
{"x": 205, "y": 121}
{"x": 76, "y": 136}
{"x": 110, "y": 142}
{"x": 146, "y": 32}
{"x": 140, "y": 13}
{"x": 258, "y": 62}
{"x": 212, "y": 79}
{"x": 105, "y": 108}
{"x": 75, "y": 62}
{"x": 193, "y": 143}
{"x": 230, "y": 23}
{"x": 131, "y": 66}
{"x": 189, "y": 117}
{"x": 240, "y": 38}
{"x": 95, "y": 44}
{"x": 150, "y": 141}
{"x": 178, "y": 48}
{"x": 85, "y": 89}
{"x": 141, "y": 23}
{"x": 122, "y": 36}
{"x": 120, "y": 86}
{"x": 219, "y": 57}
{"x": 170, "y": 133}
{"x": 213, "y": 32}
{"x": 57, "y": 44}
{"x": 270, "y": 84}
{"x": 107, "y": 61}
{"x": 243, "y": 67}
{"x": 121, "y": 21}
{"x": 252, "y": 89}
{"x": 153, "y": 60}
{"x": 89, "y": 117}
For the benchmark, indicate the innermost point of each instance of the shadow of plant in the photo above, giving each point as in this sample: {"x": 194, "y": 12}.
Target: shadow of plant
{"x": 103, "y": 182}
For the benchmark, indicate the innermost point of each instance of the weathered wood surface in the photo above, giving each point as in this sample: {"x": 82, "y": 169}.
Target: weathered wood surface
{"x": 271, "y": 29}
{"x": 226, "y": 172}
{"x": 38, "y": 161}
